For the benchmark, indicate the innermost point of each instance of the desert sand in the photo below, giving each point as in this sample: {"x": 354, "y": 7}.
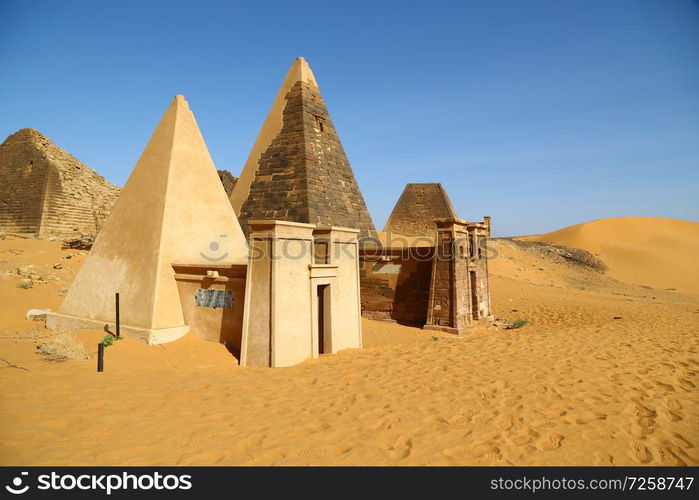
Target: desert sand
{"x": 653, "y": 251}
{"x": 605, "y": 372}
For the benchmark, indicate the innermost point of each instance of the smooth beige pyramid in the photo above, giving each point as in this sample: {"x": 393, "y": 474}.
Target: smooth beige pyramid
{"x": 173, "y": 209}
{"x": 299, "y": 71}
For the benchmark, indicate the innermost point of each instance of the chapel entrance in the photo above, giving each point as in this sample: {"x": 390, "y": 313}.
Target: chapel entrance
{"x": 323, "y": 318}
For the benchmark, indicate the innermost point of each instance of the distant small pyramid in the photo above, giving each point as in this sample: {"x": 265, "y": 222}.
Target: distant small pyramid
{"x": 417, "y": 208}
{"x": 297, "y": 170}
{"x": 228, "y": 180}
{"x": 172, "y": 209}
{"x": 45, "y": 191}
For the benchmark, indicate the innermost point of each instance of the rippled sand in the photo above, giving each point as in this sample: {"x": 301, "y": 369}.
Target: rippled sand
{"x": 574, "y": 386}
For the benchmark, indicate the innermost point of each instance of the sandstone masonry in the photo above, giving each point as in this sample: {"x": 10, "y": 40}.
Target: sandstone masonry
{"x": 45, "y": 191}
{"x": 304, "y": 175}
{"x": 228, "y": 180}
{"x": 417, "y": 208}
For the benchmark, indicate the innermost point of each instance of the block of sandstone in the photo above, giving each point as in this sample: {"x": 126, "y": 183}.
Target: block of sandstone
{"x": 297, "y": 170}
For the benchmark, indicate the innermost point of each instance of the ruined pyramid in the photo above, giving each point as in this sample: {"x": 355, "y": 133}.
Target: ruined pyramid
{"x": 297, "y": 170}
{"x": 45, "y": 191}
{"x": 173, "y": 209}
{"x": 417, "y": 208}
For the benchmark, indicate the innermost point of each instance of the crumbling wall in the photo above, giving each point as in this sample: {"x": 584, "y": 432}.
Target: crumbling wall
{"x": 22, "y": 183}
{"x": 396, "y": 289}
{"x": 45, "y": 191}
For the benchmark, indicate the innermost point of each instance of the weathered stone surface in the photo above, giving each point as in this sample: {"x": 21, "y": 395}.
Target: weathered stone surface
{"x": 397, "y": 290}
{"x": 417, "y": 208}
{"x": 303, "y": 174}
{"x": 228, "y": 180}
{"x": 459, "y": 293}
{"x": 446, "y": 288}
{"x": 45, "y": 191}
{"x": 83, "y": 242}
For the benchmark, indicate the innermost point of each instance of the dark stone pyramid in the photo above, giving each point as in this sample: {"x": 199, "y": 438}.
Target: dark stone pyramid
{"x": 298, "y": 170}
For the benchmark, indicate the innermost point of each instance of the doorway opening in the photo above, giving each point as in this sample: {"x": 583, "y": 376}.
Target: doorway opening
{"x": 474, "y": 294}
{"x": 323, "y": 319}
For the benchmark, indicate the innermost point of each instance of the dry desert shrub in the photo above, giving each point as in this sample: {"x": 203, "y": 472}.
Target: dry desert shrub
{"x": 62, "y": 347}
{"x": 518, "y": 323}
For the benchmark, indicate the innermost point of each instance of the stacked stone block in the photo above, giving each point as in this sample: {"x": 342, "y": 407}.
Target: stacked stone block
{"x": 45, "y": 191}
{"x": 459, "y": 293}
{"x": 417, "y": 208}
{"x": 228, "y": 180}
{"x": 304, "y": 175}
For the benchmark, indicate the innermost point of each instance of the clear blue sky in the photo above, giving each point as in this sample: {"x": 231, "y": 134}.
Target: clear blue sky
{"x": 541, "y": 114}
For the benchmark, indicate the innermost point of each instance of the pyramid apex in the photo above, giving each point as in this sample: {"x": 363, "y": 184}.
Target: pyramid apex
{"x": 29, "y": 135}
{"x": 300, "y": 71}
{"x": 181, "y": 207}
{"x": 179, "y": 99}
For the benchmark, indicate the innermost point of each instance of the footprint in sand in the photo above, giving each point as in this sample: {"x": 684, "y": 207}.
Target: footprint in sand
{"x": 595, "y": 400}
{"x": 577, "y": 419}
{"x": 673, "y": 404}
{"x": 692, "y": 421}
{"x": 550, "y": 442}
{"x": 638, "y": 410}
{"x": 512, "y": 401}
{"x": 640, "y": 453}
{"x": 311, "y": 452}
{"x": 543, "y": 424}
{"x": 460, "y": 418}
{"x": 642, "y": 426}
{"x": 474, "y": 452}
{"x": 486, "y": 395}
{"x": 384, "y": 423}
{"x": 523, "y": 438}
{"x": 665, "y": 387}
{"x": 603, "y": 459}
{"x": 402, "y": 448}
{"x": 679, "y": 441}
{"x": 669, "y": 416}
{"x": 667, "y": 457}
{"x": 687, "y": 384}
{"x": 237, "y": 459}
{"x": 505, "y": 424}
{"x": 554, "y": 413}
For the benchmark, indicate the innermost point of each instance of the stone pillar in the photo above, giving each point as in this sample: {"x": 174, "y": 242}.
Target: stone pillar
{"x": 277, "y": 318}
{"x": 346, "y": 310}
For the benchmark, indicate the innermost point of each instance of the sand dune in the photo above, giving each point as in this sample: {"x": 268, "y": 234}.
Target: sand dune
{"x": 604, "y": 373}
{"x": 661, "y": 253}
